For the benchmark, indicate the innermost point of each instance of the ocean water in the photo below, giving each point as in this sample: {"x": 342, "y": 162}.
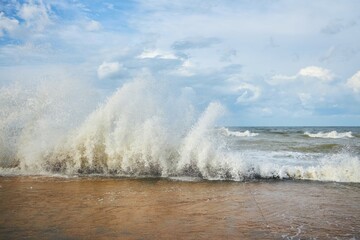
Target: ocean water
{"x": 139, "y": 164}
{"x": 145, "y": 129}
{"x": 313, "y": 153}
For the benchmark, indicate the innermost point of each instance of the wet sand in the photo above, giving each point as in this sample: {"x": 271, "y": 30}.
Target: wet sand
{"x": 106, "y": 208}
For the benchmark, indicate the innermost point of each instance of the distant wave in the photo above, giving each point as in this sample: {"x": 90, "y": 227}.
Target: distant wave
{"x": 332, "y": 134}
{"x": 246, "y": 133}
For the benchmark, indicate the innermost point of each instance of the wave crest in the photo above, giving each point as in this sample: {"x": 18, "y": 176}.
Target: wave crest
{"x": 246, "y": 133}
{"x": 332, "y": 134}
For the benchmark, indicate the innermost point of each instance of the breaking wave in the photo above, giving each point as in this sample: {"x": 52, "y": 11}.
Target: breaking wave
{"x": 143, "y": 129}
{"x": 332, "y": 134}
{"x": 246, "y": 133}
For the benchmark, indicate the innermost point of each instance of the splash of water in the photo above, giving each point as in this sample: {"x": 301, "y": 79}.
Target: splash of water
{"x": 143, "y": 129}
{"x": 140, "y": 130}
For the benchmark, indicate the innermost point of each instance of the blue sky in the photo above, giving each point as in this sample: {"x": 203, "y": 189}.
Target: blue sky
{"x": 269, "y": 62}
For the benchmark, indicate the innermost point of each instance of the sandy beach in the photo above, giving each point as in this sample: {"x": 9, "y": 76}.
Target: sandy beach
{"x": 107, "y": 208}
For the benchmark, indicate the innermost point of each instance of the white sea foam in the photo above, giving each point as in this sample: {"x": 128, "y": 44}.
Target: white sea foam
{"x": 336, "y": 167}
{"x": 143, "y": 129}
{"x": 246, "y": 133}
{"x": 332, "y": 134}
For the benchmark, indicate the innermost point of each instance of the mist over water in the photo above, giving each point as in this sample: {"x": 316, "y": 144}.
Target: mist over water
{"x": 147, "y": 129}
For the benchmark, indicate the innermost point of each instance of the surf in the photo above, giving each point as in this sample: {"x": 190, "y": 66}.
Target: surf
{"x": 331, "y": 134}
{"x": 245, "y": 133}
{"x": 145, "y": 129}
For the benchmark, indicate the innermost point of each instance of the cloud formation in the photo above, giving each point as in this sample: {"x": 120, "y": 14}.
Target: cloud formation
{"x": 319, "y": 73}
{"x": 354, "y": 82}
{"x": 241, "y": 53}
{"x": 109, "y": 70}
{"x": 148, "y": 54}
{"x": 316, "y": 72}
{"x": 247, "y": 93}
{"x": 35, "y": 14}
{"x": 7, "y": 25}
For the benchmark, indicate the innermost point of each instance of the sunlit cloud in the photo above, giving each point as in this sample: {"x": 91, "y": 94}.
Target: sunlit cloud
{"x": 319, "y": 73}
{"x": 354, "y": 82}
{"x": 35, "y": 14}
{"x": 109, "y": 70}
{"x": 7, "y": 25}
{"x": 156, "y": 54}
{"x": 316, "y": 72}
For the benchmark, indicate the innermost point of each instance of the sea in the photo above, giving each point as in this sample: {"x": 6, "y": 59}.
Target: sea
{"x": 220, "y": 153}
{"x": 308, "y": 153}
{"x": 145, "y": 165}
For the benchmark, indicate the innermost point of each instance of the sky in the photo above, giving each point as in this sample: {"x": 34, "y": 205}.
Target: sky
{"x": 270, "y": 63}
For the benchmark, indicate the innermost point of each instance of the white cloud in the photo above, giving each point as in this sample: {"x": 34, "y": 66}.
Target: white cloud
{"x": 186, "y": 69}
{"x": 156, "y": 54}
{"x": 93, "y": 26}
{"x": 319, "y": 73}
{"x": 35, "y": 15}
{"x": 7, "y": 24}
{"x": 248, "y": 93}
{"x": 354, "y": 82}
{"x": 109, "y": 69}
{"x": 316, "y": 72}
{"x": 279, "y": 79}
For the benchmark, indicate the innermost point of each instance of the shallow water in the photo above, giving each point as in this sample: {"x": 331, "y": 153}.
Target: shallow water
{"x": 116, "y": 208}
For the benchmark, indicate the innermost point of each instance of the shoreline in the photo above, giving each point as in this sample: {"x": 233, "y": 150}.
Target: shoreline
{"x": 148, "y": 208}
{"x": 169, "y": 178}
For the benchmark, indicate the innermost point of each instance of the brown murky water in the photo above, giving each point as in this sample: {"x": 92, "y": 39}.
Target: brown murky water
{"x": 105, "y": 208}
